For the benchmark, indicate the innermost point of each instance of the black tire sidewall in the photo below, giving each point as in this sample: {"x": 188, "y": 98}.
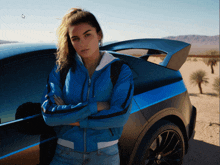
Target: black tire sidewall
{"x": 157, "y": 129}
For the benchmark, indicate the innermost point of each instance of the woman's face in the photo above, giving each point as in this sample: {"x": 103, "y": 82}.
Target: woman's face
{"x": 85, "y": 40}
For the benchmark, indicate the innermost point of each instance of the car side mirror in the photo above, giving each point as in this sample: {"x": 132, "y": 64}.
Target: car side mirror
{"x": 32, "y": 120}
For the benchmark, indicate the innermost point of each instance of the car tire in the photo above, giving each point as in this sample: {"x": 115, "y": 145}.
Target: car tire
{"x": 162, "y": 144}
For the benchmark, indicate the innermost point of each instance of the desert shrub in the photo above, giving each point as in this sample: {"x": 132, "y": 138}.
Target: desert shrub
{"x": 162, "y": 58}
{"x": 211, "y": 61}
{"x": 189, "y": 59}
{"x": 216, "y": 84}
{"x": 195, "y": 59}
{"x": 198, "y": 78}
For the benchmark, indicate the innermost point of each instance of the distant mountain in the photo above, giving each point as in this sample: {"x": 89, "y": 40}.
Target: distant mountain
{"x": 199, "y": 43}
{"x": 192, "y": 39}
{"x": 197, "y": 39}
{"x": 7, "y": 42}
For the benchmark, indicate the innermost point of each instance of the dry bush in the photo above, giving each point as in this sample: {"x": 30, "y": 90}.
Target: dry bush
{"x": 162, "y": 58}
{"x": 216, "y": 85}
{"x": 189, "y": 59}
{"x": 198, "y": 78}
{"x": 195, "y": 59}
{"x": 211, "y": 61}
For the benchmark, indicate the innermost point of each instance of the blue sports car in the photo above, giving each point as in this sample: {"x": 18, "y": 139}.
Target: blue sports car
{"x": 161, "y": 122}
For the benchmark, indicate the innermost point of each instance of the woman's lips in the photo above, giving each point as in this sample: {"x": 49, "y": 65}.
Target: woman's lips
{"x": 84, "y": 50}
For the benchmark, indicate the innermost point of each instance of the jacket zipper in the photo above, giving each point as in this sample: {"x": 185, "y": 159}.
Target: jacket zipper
{"x": 88, "y": 89}
{"x": 85, "y": 128}
{"x": 84, "y": 139}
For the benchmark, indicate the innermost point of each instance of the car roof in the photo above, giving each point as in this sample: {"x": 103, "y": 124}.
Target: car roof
{"x": 8, "y": 50}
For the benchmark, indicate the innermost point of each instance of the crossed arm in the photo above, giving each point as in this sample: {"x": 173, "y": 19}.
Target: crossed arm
{"x": 84, "y": 114}
{"x": 100, "y": 106}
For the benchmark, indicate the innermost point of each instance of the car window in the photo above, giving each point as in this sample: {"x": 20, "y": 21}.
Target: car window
{"x": 23, "y": 79}
{"x": 155, "y": 57}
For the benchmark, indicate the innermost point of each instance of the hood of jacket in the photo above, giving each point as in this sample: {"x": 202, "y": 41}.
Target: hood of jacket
{"x": 106, "y": 59}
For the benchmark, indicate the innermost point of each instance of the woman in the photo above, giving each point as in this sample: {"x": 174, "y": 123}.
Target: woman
{"x": 87, "y": 112}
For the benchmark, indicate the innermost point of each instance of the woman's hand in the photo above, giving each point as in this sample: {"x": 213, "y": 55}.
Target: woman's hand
{"x": 103, "y": 106}
{"x": 75, "y": 124}
{"x": 100, "y": 106}
{"x": 58, "y": 100}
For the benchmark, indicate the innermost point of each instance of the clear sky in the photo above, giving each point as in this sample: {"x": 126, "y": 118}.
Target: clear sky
{"x": 119, "y": 19}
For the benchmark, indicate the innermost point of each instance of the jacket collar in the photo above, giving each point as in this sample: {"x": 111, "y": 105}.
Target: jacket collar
{"x": 107, "y": 58}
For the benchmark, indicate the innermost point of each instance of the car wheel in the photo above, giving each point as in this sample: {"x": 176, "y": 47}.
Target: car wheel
{"x": 163, "y": 144}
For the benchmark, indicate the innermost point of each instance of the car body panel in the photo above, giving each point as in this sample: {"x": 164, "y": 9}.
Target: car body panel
{"x": 148, "y": 76}
{"x": 159, "y": 93}
{"x": 139, "y": 122}
{"x": 8, "y": 50}
{"x": 17, "y": 69}
{"x": 25, "y": 157}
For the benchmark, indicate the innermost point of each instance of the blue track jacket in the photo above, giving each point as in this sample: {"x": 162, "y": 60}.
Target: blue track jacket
{"x": 81, "y": 94}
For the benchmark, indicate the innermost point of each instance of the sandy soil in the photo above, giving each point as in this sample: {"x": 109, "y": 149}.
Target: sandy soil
{"x": 204, "y": 147}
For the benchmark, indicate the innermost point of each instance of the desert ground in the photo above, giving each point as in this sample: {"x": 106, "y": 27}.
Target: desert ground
{"x": 204, "y": 147}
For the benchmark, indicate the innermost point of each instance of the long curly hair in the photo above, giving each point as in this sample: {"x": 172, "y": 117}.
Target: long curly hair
{"x": 66, "y": 54}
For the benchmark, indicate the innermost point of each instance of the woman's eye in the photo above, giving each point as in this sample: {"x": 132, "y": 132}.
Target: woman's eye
{"x": 74, "y": 39}
{"x": 87, "y": 35}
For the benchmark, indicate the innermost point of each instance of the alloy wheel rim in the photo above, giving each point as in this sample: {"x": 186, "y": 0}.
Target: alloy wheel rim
{"x": 166, "y": 149}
